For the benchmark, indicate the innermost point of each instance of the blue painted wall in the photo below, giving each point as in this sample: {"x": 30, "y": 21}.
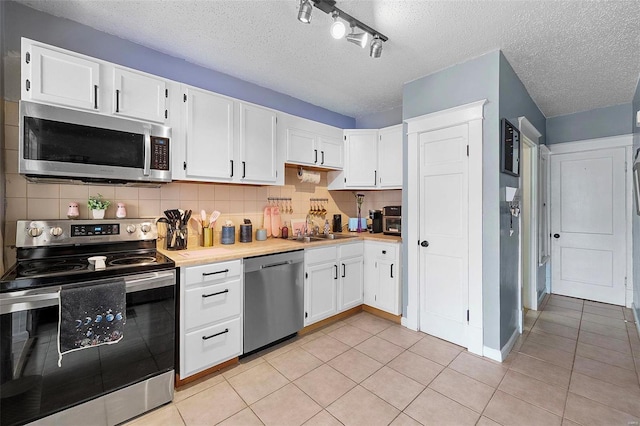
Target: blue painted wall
{"x": 636, "y": 219}
{"x": 596, "y": 123}
{"x": 380, "y": 119}
{"x": 22, "y": 21}
{"x": 470, "y": 81}
{"x": 514, "y": 102}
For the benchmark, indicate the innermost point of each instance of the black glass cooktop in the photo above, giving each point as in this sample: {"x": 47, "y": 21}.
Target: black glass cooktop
{"x": 49, "y": 271}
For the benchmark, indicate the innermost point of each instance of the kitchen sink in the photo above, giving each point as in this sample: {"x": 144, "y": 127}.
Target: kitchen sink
{"x": 333, "y": 236}
{"x": 320, "y": 237}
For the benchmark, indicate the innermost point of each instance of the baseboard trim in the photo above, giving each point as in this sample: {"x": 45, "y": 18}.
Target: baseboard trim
{"x": 203, "y": 373}
{"x": 382, "y": 314}
{"x": 636, "y": 315}
{"x": 330, "y": 320}
{"x": 502, "y": 354}
{"x": 507, "y": 348}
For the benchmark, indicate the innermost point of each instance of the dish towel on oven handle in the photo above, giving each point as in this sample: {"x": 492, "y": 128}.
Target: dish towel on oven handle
{"x": 91, "y": 315}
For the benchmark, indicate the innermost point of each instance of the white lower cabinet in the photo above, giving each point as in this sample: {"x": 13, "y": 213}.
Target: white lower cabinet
{"x": 333, "y": 280}
{"x": 382, "y": 276}
{"x": 210, "y": 315}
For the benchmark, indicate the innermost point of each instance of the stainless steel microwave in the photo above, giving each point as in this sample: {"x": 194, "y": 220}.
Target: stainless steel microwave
{"x": 60, "y": 143}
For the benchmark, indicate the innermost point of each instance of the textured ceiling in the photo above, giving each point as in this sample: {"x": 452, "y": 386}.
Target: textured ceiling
{"x": 571, "y": 55}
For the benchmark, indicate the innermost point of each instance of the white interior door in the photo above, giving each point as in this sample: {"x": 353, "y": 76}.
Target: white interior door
{"x": 588, "y": 225}
{"x": 444, "y": 252}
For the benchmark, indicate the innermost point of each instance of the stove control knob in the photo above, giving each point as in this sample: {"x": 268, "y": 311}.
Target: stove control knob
{"x": 34, "y": 231}
{"x": 55, "y": 231}
{"x": 131, "y": 229}
{"x": 145, "y": 227}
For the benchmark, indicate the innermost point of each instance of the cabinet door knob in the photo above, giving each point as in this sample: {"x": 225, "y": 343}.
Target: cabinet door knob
{"x": 425, "y": 243}
{"x": 556, "y": 235}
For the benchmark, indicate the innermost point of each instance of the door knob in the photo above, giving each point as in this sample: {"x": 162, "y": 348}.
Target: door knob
{"x": 556, "y": 235}
{"x": 425, "y": 243}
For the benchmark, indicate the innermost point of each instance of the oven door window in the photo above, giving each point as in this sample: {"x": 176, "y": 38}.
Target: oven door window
{"x": 33, "y": 386}
{"x": 48, "y": 140}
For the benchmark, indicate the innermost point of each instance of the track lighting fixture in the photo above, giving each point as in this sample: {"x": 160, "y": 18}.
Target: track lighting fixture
{"x": 304, "y": 14}
{"x": 360, "y": 39}
{"x": 338, "y": 28}
{"x": 376, "y": 47}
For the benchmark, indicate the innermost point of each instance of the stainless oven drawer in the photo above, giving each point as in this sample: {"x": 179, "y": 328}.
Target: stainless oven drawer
{"x": 16, "y": 301}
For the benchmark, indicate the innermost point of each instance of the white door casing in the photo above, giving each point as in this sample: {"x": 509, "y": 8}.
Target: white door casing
{"x": 589, "y": 223}
{"x": 472, "y": 115}
{"x": 444, "y": 262}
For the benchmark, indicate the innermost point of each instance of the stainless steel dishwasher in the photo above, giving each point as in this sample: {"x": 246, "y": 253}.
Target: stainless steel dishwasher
{"x": 273, "y": 298}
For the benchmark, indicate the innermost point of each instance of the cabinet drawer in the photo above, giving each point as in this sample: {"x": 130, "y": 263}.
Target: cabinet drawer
{"x": 386, "y": 252}
{"x": 213, "y": 272}
{"x": 212, "y": 303}
{"x": 320, "y": 255}
{"x": 351, "y": 250}
{"x": 212, "y": 345}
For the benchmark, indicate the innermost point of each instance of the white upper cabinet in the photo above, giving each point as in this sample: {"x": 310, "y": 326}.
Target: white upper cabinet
{"x": 361, "y": 158}
{"x": 310, "y": 143}
{"x": 138, "y": 95}
{"x": 373, "y": 160}
{"x": 257, "y": 144}
{"x": 331, "y": 152}
{"x": 390, "y": 157}
{"x": 209, "y": 136}
{"x": 59, "y": 77}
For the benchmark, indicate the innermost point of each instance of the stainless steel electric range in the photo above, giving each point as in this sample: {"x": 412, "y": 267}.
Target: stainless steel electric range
{"x": 105, "y": 384}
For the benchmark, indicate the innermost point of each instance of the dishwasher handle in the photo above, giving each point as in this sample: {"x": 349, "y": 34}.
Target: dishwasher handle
{"x": 273, "y": 265}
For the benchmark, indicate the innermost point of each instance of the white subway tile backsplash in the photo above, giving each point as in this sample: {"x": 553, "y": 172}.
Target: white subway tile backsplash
{"x": 11, "y": 113}
{"x": 126, "y": 193}
{"x": 16, "y": 186}
{"x": 78, "y": 193}
{"x": 16, "y": 209}
{"x": 10, "y": 161}
{"x": 223, "y": 192}
{"x": 170, "y": 191}
{"x": 206, "y": 191}
{"x": 43, "y": 190}
{"x": 11, "y": 137}
{"x": 43, "y": 208}
{"x": 250, "y": 193}
{"x": 150, "y": 208}
{"x": 149, "y": 194}
{"x": 107, "y": 192}
{"x": 188, "y": 191}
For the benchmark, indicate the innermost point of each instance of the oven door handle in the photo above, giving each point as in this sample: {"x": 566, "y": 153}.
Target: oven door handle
{"x": 41, "y": 298}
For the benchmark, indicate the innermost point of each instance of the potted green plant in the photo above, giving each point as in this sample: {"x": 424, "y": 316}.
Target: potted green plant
{"x": 97, "y": 205}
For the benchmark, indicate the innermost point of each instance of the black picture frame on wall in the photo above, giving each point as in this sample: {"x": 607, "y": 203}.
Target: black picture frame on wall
{"x": 509, "y": 148}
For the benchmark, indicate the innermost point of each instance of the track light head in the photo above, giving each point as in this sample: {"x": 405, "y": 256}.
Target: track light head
{"x": 358, "y": 39}
{"x": 376, "y": 47}
{"x": 338, "y": 29}
{"x": 304, "y": 14}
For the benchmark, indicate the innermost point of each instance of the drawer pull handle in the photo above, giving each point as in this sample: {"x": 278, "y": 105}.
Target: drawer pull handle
{"x": 226, "y": 330}
{"x": 217, "y": 293}
{"x": 205, "y": 274}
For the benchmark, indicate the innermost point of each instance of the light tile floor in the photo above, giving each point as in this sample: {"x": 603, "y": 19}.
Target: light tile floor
{"x": 578, "y": 362}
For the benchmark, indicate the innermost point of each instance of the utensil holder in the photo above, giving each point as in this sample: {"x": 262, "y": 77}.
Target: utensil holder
{"x": 228, "y": 235}
{"x": 208, "y": 237}
{"x": 176, "y": 238}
